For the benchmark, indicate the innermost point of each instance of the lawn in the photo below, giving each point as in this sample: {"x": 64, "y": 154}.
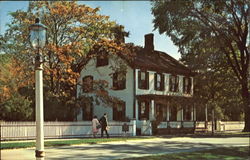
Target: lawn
{"x": 224, "y": 134}
{"x": 48, "y": 143}
{"x": 226, "y": 153}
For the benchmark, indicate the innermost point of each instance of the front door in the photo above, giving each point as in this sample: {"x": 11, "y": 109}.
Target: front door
{"x": 159, "y": 112}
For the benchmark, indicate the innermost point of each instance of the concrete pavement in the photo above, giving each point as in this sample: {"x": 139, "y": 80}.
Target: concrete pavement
{"x": 116, "y": 150}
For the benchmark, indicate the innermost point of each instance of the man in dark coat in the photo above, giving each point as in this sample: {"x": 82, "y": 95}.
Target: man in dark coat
{"x": 104, "y": 123}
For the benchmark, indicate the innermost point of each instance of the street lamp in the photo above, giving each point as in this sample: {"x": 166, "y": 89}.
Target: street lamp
{"x": 38, "y": 40}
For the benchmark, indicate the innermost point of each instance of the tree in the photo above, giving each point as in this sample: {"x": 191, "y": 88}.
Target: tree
{"x": 213, "y": 77}
{"x": 13, "y": 106}
{"x": 224, "y": 22}
{"x": 73, "y": 30}
{"x": 211, "y": 86}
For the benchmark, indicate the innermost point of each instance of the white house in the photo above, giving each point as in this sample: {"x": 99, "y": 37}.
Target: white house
{"x": 155, "y": 87}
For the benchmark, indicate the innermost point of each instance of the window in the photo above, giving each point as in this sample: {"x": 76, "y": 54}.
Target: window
{"x": 102, "y": 60}
{"x": 87, "y": 83}
{"x": 173, "y": 83}
{"x": 143, "y": 110}
{"x": 159, "y": 82}
{"x": 87, "y": 113}
{"x": 143, "y": 80}
{"x": 187, "y": 113}
{"x": 187, "y": 85}
{"x": 119, "y": 81}
{"x": 119, "y": 111}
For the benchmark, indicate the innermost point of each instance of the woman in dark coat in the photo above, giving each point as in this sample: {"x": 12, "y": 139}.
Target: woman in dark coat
{"x": 104, "y": 123}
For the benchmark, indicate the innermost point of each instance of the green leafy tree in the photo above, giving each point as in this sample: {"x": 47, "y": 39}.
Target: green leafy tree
{"x": 224, "y": 23}
{"x": 211, "y": 86}
{"x": 16, "y": 108}
{"x": 14, "y": 105}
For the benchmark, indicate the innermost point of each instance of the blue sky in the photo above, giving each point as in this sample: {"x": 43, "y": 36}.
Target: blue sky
{"x": 134, "y": 15}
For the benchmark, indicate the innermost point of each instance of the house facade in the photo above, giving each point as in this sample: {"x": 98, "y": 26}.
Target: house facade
{"x": 155, "y": 87}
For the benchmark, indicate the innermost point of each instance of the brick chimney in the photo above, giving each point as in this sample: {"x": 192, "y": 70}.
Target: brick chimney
{"x": 149, "y": 42}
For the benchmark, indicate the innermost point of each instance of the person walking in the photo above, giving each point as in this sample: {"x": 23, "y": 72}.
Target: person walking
{"x": 95, "y": 126}
{"x": 104, "y": 123}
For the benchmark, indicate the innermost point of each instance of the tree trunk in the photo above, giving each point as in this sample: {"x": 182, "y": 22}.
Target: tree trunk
{"x": 246, "y": 104}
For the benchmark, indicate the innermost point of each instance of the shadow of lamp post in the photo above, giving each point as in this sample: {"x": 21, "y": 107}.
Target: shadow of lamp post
{"x": 38, "y": 40}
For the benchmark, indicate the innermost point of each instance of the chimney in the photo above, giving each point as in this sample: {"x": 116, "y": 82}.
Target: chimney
{"x": 149, "y": 42}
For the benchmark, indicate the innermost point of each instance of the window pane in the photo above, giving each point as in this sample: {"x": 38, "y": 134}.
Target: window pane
{"x": 87, "y": 83}
{"x": 143, "y": 80}
{"x": 143, "y": 76}
{"x": 158, "y": 77}
{"x": 102, "y": 60}
{"x": 143, "y": 107}
{"x": 119, "y": 81}
{"x": 87, "y": 111}
{"x": 119, "y": 111}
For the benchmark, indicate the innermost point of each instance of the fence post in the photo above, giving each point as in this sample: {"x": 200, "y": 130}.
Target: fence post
{"x": 134, "y": 127}
{"x": 150, "y": 128}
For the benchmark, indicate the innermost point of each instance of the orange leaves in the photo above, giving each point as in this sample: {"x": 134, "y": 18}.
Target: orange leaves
{"x": 6, "y": 92}
{"x": 62, "y": 58}
{"x": 72, "y": 31}
{"x": 111, "y": 47}
{"x": 13, "y": 76}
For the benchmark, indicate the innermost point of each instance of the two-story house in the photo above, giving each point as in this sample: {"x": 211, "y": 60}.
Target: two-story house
{"x": 155, "y": 86}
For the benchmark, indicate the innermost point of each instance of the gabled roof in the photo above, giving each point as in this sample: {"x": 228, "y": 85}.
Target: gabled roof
{"x": 158, "y": 61}
{"x": 149, "y": 60}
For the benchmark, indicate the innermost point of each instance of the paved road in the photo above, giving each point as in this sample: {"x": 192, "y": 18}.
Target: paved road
{"x": 115, "y": 150}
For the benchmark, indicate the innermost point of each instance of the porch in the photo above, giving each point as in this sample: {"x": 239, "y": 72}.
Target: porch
{"x": 158, "y": 114}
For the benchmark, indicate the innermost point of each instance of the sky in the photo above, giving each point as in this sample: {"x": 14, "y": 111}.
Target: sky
{"x": 134, "y": 15}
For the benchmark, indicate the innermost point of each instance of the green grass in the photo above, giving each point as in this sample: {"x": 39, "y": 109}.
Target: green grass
{"x": 226, "y": 153}
{"x": 235, "y": 133}
{"x": 12, "y": 145}
{"x": 224, "y": 134}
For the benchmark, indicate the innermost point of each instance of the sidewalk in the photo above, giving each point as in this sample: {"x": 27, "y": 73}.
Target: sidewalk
{"x": 118, "y": 150}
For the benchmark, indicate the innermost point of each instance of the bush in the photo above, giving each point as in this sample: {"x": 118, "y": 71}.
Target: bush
{"x": 16, "y": 108}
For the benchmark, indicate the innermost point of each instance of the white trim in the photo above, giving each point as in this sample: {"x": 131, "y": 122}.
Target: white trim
{"x": 194, "y": 113}
{"x": 182, "y": 115}
{"x": 152, "y": 110}
{"x": 136, "y": 110}
{"x": 168, "y": 113}
{"x": 181, "y": 83}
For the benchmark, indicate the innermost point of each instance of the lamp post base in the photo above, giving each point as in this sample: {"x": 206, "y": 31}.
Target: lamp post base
{"x": 40, "y": 153}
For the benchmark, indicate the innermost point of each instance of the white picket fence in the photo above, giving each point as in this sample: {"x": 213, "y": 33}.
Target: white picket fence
{"x": 222, "y": 126}
{"x": 27, "y": 130}
{"x": 230, "y": 125}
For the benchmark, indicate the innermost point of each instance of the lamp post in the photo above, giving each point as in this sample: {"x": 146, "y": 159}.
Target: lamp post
{"x": 38, "y": 40}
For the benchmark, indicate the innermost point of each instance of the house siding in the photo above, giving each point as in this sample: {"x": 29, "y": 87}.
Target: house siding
{"x": 127, "y": 94}
{"x": 166, "y": 91}
{"x": 103, "y": 73}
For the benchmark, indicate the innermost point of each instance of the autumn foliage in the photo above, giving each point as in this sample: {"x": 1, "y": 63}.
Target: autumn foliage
{"x": 73, "y": 31}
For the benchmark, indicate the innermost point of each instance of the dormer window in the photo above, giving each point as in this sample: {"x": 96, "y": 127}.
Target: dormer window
{"x": 102, "y": 60}
{"x": 119, "y": 80}
{"x": 159, "y": 82}
{"x": 173, "y": 83}
{"x": 143, "y": 79}
{"x": 87, "y": 84}
{"x": 187, "y": 85}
